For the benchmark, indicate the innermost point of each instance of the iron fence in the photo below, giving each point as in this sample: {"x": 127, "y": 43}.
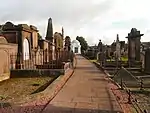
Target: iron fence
{"x": 41, "y": 60}
{"x": 130, "y": 83}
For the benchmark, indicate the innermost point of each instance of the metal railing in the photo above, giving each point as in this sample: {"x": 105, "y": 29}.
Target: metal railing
{"x": 42, "y": 60}
{"x": 124, "y": 79}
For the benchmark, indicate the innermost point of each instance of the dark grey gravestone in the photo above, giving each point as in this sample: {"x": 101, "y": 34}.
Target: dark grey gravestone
{"x": 100, "y": 51}
{"x": 147, "y": 61}
{"x": 134, "y": 44}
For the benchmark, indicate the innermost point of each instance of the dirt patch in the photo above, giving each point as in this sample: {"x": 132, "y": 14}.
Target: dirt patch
{"x": 14, "y": 90}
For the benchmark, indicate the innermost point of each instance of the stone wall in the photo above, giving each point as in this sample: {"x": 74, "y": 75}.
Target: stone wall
{"x": 11, "y": 36}
{"x": 6, "y": 50}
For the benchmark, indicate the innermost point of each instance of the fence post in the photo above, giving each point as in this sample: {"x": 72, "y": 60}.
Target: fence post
{"x": 141, "y": 84}
{"x": 121, "y": 83}
{"x": 129, "y": 97}
{"x": 145, "y": 111}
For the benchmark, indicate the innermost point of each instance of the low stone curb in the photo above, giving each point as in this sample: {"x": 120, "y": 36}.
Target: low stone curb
{"x": 38, "y": 103}
{"x": 52, "y": 90}
{"x": 58, "y": 84}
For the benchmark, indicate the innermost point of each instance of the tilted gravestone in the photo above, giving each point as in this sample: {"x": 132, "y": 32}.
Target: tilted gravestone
{"x": 134, "y": 44}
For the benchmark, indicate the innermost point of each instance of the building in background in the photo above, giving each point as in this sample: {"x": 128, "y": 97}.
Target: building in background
{"x": 76, "y": 47}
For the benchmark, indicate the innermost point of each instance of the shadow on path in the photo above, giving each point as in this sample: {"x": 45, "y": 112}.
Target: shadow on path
{"x": 52, "y": 109}
{"x": 84, "y": 68}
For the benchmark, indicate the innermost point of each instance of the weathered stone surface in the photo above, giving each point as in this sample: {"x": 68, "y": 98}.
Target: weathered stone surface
{"x": 147, "y": 61}
{"x": 134, "y": 45}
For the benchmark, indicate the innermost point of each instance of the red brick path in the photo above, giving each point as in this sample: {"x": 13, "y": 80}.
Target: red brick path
{"x": 87, "y": 91}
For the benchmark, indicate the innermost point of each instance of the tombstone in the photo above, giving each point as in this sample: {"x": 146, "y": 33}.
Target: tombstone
{"x": 100, "y": 51}
{"x": 134, "y": 45}
{"x": 103, "y": 55}
{"x": 67, "y": 43}
{"x": 118, "y": 49}
{"x": 108, "y": 50}
{"x": 100, "y": 46}
{"x": 113, "y": 47}
{"x": 147, "y": 61}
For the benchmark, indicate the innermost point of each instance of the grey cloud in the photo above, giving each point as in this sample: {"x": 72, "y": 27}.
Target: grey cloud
{"x": 63, "y": 12}
{"x": 72, "y": 14}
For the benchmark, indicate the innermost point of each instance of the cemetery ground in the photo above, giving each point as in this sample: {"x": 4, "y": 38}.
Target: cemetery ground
{"x": 87, "y": 90}
{"x": 16, "y": 91}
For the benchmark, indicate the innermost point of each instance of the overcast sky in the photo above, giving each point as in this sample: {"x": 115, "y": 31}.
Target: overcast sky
{"x": 92, "y": 19}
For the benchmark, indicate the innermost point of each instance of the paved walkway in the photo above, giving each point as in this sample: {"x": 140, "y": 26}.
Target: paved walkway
{"x": 87, "y": 91}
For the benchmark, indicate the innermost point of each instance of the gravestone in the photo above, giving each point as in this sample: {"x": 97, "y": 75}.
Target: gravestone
{"x": 100, "y": 46}
{"x": 67, "y": 43}
{"x": 134, "y": 44}
{"x": 100, "y": 52}
{"x": 108, "y": 52}
{"x": 147, "y": 61}
{"x": 118, "y": 49}
{"x": 103, "y": 55}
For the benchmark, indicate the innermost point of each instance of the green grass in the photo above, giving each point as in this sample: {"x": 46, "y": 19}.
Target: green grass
{"x": 93, "y": 60}
{"x": 110, "y": 60}
{"x": 124, "y": 59}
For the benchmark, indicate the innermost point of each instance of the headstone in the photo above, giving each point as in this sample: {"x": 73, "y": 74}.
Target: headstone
{"x": 113, "y": 47}
{"x": 104, "y": 55}
{"x": 134, "y": 45}
{"x": 100, "y": 53}
{"x": 118, "y": 49}
{"x": 147, "y": 61}
{"x": 108, "y": 50}
{"x": 100, "y": 46}
{"x": 67, "y": 43}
